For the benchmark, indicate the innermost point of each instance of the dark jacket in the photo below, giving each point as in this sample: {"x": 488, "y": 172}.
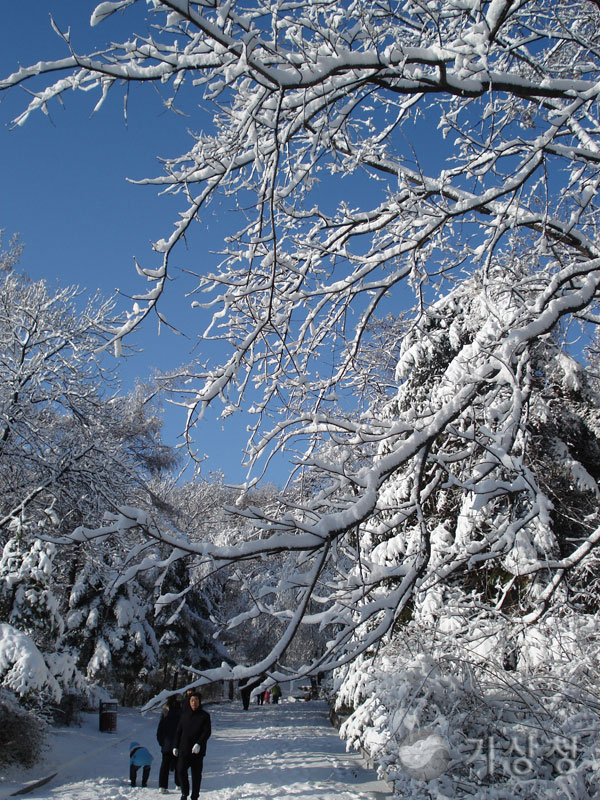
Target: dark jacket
{"x": 167, "y": 728}
{"x": 194, "y": 728}
{"x": 247, "y": 688}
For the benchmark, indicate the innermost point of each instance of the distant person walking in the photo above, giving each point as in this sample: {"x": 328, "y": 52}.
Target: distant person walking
{"x": 139, "y": 757}
{"x": 275, "y": 693}
{"x": 165, "y": 735}
{"x": 246, "y": 691}
{"x": 193, "y": 732}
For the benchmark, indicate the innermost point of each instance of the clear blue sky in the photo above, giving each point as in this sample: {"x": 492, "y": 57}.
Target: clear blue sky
{"x": 64, "y": 192}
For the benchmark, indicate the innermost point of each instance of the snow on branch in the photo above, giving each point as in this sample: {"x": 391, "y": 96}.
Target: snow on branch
{"x": 414, "y": 218}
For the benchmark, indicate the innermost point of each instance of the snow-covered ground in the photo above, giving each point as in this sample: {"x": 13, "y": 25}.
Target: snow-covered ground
{"x": 273, "y": 751}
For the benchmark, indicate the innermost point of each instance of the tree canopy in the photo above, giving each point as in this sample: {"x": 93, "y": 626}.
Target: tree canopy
{"x": 379, "y": 155}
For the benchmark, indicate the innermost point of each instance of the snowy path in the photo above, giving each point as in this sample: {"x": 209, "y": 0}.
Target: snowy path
{"x": 268, "y": 752}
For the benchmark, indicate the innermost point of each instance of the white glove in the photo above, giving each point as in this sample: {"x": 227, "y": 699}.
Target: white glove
{"x": 196, "y": 749}
{"x": 175, "y": 751}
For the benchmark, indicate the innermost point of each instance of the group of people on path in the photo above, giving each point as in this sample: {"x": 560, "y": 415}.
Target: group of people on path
{"x": 270, "y": 695}
{"x": 182, "y": 733}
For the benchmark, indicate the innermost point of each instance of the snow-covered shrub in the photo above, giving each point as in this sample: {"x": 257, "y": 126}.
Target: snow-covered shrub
{"x": 21, "y": 732}
{"x": 23, "y": 669}
{"x": 530, "y": 732}
{"x": 37, "y": 677}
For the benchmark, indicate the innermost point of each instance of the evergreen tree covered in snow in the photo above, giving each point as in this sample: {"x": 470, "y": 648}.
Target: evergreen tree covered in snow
{"x": 511, "y": 484}
{"x": 36, "y": 662}
{"x": 111, "y": 629}
{"x": 493, "y": 641}
{"x": 70, "y": 446}
{"x": 27, "y": 599}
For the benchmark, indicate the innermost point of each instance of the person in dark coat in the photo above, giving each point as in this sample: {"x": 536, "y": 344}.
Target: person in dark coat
{"x": 165, "y": 734}
{"x": 192, "y": 734}
{"x": 246, "y": 691}
{"x": 245, "y": 695}
{"x": 139, "y": 757}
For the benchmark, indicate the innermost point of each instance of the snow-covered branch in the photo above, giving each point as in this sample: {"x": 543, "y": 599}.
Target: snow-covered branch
{"x": 377, "y": 158}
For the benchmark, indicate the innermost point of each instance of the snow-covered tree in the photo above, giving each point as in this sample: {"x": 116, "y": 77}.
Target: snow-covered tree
{"x": 232, "y": 601}
{"x": 374, "y": 150}
{"x": 69, "y": 447}
{"x": 67, "y": 441}
{"x": 493, "y": 636}
{"x": 9, "y": 257}
{"x": 51, "y": 395}
{"x": 512, "y": 481}
{"x": 111, "y": 630}
{"x": 27, "y": 598}
{"x": 35, "y": 661}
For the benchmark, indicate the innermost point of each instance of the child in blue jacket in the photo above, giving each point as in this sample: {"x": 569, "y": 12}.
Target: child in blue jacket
{"x": 139, "y": 757}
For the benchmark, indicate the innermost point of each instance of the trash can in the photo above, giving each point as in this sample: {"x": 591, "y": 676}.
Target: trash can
{"x": 108, "y": 716}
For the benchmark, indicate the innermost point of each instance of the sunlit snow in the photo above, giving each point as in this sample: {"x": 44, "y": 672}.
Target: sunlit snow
{"x": 269, "y": 752}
